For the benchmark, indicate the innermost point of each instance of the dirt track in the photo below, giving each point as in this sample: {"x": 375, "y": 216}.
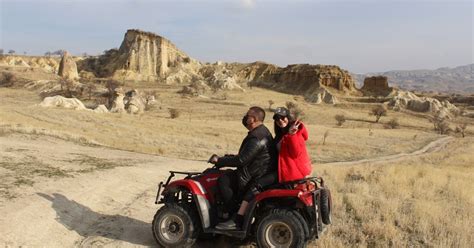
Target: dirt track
{"x": 112, "y": 207}
{"x": 430, "y": 147}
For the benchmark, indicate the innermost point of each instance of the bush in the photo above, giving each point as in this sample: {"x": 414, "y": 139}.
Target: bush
{"x": 440, "y": 124}
{"x": 7, "y": 79}
{"x": 270, "y": 103}
{"x": 295, "y": 110}
{"x": 461, "y": 128}
{"x": 325, "y": 136}
{"x": 340, "y": 119}
{"x": 392, "y": 124}
{"x": 378, "y": 112}
{"x": 174, "y": 113}
{"x": 67, "y": 88}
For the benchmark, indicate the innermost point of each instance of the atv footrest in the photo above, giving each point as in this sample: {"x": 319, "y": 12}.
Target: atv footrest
{"x": 232, "y": 233}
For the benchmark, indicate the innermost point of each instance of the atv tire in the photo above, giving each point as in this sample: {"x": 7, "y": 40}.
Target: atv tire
{"x": 280, "y": 228}
{"x": 175, "y": 225}
{"x": 325, "y": 201}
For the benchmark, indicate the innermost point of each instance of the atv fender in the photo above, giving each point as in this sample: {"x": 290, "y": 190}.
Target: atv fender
{"x": 303, "y": 197}
{"x": 199, "y": 195}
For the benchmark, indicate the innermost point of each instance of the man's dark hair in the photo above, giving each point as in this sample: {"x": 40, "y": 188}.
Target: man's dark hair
{"x": 259, "y": 113}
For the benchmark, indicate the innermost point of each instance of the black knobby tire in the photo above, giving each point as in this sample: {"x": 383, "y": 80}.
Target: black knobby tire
{"x": 303, "y": 222}
{"x": 175, "y": 225}
{"x": 325, "y": 206}
{"x": 280, "y": 228}
{"x": 300, "y": 218}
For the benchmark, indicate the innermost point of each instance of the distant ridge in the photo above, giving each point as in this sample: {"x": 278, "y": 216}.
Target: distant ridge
{"x": 447, "y": 80}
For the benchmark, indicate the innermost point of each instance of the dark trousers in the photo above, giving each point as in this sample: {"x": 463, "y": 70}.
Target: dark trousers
{"x": 228, "y": 188}
{"x": 259, "y": 185}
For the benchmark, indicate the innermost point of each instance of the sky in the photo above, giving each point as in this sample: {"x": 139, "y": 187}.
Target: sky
{"x": 358, "y": 35}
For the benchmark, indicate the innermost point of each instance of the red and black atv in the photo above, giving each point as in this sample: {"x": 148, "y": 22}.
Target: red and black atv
{"x": 284, "y": 215}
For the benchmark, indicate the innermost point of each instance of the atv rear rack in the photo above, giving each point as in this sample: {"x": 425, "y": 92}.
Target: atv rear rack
{"x": 172, "y": 174}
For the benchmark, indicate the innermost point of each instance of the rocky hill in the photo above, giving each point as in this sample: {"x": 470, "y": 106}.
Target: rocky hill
{"x": 48, "y": 64}
{"x": 458, "y": 79}
{"x": 145, "y": 56}
{"x": 141, "y": 56}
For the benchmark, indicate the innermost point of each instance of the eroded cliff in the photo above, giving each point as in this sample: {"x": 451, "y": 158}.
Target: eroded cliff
{"x": 141, "y": 56}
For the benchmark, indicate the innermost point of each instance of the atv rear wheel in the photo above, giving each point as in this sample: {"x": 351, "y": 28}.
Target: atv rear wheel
{"x": 175, "y": 225}
{"x": 326, "y": 206}
{"x": 280, "y": 229}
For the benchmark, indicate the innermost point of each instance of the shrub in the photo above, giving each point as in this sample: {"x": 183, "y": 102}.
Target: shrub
{"x": 150, "y": 100}
{"x": 378, "y": 112}
{"x": 393, "y": 123}
{"x": 295, "y": 110}
{"x": 270, "y": 103}
{"x": 340, "y": 119}
{"x": 7, "y": 79}
{"x": 440, "y": 124}
{"x": 326, "y": 134}
{"x": 67, "y": 87}
{"x": 174, "y": 113}
{"x": 461, "y": 128}
{"x": 90, "y": 87}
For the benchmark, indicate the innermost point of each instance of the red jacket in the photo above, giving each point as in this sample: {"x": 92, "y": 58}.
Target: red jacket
{"x": 293, "y": 159}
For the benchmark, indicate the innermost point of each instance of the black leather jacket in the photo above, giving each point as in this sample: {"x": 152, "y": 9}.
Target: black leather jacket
{"x": 257, "y": 156}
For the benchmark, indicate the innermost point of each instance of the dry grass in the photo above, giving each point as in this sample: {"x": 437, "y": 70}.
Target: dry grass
{"x": 420, "y": 202}
{"x": 206, "y": 126}
{"x": 424, "y": 201}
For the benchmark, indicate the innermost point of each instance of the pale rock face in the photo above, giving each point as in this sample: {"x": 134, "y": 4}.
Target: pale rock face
{"x": 322, "y": 96}
{"x": 118, "y": 105}
{"x": 101, "y": 109}
{"x": 62, "y": 102}
{"x": 300, "y": 78}
{"x": 144, "y": 56}
{"x": 68, "y": 67}
{"x": 377, "y": 85}
{"x": 48, "y": 64}
{"x": 134, "y": 103}
{"x": 407, "y": 100}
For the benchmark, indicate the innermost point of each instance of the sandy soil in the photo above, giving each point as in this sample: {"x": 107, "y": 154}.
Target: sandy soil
{"x": 110, "y": 207}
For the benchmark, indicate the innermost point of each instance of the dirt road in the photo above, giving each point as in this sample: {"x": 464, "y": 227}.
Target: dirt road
{"x": 430, "y": 147}
{"x": 112, "y": 207}
{"x": 87, "y": 206}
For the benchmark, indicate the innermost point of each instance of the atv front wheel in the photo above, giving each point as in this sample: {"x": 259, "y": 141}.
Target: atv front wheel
{"x": 175, "y": 226}
{"x": 280, "y": 229}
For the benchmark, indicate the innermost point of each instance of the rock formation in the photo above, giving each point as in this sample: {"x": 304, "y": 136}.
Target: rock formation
{"x": 134, "y": 103}
{"x": 48, "y": 64}
{"x": 141, "y": 56}
{"x": 101, "y": 109}
{"x": 118, "y": 105}
{"x": 322, "y": 96}
{"x": 62, "y": 102}
{"x": 377, "y": 85}
{"x": 70, "y": 103}
{"x": 145, "y": 56}
{"x": 68, "y": 68}
{"x": 301, "y": 78}
{"x": 407, "y": 100}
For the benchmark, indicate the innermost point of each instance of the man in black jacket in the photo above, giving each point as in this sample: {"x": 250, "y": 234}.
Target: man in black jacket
{"x": 257, "y": 157}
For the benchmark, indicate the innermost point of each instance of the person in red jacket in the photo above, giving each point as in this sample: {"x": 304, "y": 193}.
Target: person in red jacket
{"x": 290, "y": 138}
{"x": 293, "y": 161}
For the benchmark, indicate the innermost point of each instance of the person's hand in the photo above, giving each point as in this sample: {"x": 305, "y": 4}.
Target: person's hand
{"x": 294, "y": 127}
{"x": 213, "y": 159}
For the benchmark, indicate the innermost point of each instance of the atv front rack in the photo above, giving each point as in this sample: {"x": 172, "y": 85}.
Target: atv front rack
{"x": 172, "y": 174}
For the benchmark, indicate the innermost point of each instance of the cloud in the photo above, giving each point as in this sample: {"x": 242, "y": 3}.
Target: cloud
{"x": 248, "y": 4}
